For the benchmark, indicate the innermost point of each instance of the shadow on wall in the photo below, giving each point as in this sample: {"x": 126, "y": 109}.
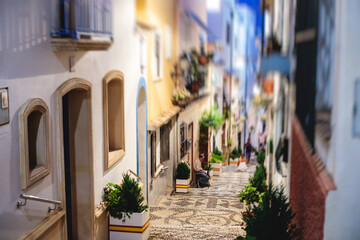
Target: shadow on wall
{"x": 25, "y": 49}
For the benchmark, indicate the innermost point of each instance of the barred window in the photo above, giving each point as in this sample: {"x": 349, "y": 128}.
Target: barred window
{"x": 165, "y": 142}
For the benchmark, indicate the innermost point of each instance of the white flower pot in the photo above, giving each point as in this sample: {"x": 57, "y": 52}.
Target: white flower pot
{"x": 134, "y": 228}
{"x": 211, "y": 174}
{"x": 182, "y": 185}
{"x": 217, "y": 168}
{"x": 233, "y": 162}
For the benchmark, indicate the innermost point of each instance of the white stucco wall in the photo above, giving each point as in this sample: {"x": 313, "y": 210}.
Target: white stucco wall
{"x": 30, "y": 69}
{"x": 342, "y": 213}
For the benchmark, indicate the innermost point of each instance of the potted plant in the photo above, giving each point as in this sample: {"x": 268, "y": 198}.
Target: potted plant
{"x": 182, "y": 177}
{"x": 210, "y": 169}
{"x": 216, "y": 159}
{"x": 129, "y": 215}
{"x": 234, "y": 155}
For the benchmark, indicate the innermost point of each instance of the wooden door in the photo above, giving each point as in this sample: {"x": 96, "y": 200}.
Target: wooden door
{"x": 191, "y": 137}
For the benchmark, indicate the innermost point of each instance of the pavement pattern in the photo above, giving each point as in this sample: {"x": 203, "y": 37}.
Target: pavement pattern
{"x": 203, "y": 213}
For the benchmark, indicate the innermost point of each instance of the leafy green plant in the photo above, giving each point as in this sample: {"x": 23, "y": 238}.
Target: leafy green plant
{"x": 259, "y": 179}
{"x": 182, "y": 171}
{"x": 271, "y": 219}
{"x": 211, "y": 118}
{"x": 124, "y": 199}
{"x": 235, "y": 153}
{"x": 229, "y": 142}
{"x": 261, "y": 157}
{"x": 250, "y": 195}
{"x": 217, "y": 151}
{"x": 216, "y": 158}
{"x": 208, "y": 167}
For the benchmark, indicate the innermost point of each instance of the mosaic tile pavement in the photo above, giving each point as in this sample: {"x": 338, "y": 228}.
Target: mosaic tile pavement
{"x": 204, "y": 213}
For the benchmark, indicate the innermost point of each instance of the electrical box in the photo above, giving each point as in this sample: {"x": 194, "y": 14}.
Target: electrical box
{"x": 4, "y": 106}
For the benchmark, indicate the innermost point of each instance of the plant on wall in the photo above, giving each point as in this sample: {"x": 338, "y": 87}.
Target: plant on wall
{"x": 229, "y": 142}
{"x": 211, "y": 119}
{"x": 124, "y": 199}
{"x": 271, "y": 219}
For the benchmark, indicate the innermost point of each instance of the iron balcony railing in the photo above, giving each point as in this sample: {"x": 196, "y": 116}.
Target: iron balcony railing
{"x": 82, "y": 18}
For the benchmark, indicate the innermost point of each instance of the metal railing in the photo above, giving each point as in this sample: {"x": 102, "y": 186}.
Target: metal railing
{"x": 77, "y": 18}
{"x": 38, "y": 199}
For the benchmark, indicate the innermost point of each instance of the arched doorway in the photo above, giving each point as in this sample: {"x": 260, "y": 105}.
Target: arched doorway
{"x": 141, "y": 129}
{"x": 74, "y": 134}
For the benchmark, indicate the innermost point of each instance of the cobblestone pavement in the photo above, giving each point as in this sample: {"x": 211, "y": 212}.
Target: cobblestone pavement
{"x": 202, "y": 213}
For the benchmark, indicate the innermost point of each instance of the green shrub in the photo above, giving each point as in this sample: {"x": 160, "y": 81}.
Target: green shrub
{"x": 182, "y": 171}
{"x": 259, "y": 179}
{"x": 271, "y": 219}
{"x": 124, "y": 199}
{"x": 217, "y": 152}
{"x": 229, "y": 142}
{"x": 216, "y": 158}
{"x": 235, "y": 153}
{"x": 250, "y": 195}
{"x": 211, "y": 118}
{"x": 261, "y": 157}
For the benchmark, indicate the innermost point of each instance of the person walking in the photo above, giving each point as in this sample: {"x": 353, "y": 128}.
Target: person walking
{"x": 200, "y": 172}
{"x": 248, "y": 149}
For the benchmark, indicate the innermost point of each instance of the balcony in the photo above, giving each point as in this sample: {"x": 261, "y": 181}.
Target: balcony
{"x": 81, "y": 25}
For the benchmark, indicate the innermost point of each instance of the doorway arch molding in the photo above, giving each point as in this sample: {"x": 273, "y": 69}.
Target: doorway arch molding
{"x": 142, "y": 85}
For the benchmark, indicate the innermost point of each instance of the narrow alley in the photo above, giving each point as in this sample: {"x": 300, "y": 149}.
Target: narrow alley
{"x": 203, "y": 213}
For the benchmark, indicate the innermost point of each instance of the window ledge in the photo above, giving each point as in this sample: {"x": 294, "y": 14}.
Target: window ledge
{"x": 115, "y": 156}
{"x": 158, "y": 170}
{"x": 37, "y": 174}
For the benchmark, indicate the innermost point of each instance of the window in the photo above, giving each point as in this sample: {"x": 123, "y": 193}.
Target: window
{"x": 182, "y": 140}
{"x": 34, "y": 142}
{"x": 81, "y": 19}
{"x": 165, "y": 142}
{"x": 153, "y": 153}
{"x": 157, "y": 58}
{"x": 114, "y": 130}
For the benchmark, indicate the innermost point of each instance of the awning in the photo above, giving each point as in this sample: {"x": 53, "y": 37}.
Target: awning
{"x": 275, "y": 63}
{"x": 163, "y": 118}
{"x": 198, "y": 21}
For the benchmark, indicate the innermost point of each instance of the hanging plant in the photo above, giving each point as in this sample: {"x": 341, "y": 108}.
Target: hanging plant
{"x": 211, "y": 119}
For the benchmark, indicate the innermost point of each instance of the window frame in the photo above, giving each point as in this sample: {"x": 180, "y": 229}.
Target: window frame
{"x": 155, "y": 67}
{"x": 30, "y": 177}
{"x": 167, "y": 130}
{"x": 110, "y": 158}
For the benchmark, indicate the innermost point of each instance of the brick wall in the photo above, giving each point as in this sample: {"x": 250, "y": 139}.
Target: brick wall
{"x": 309, "y": 184}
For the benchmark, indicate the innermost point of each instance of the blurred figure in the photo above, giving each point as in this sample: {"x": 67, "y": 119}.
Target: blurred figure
{"x": 248, "y": 149}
